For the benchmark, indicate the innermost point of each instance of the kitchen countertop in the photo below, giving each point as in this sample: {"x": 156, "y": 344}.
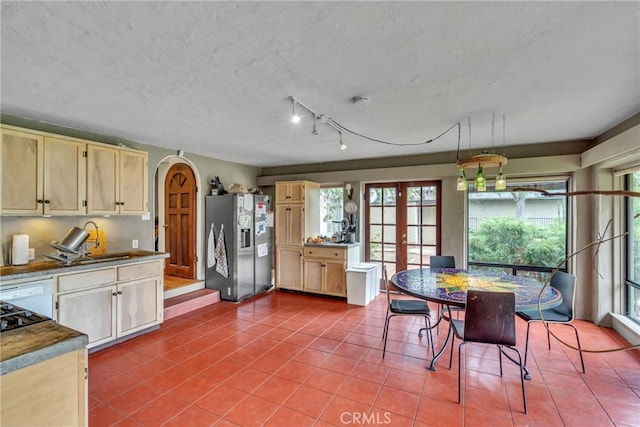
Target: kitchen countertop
{"x": 36, "y": 343}
{"x": 333, "y": 245}
{"x": 35, "y": 269}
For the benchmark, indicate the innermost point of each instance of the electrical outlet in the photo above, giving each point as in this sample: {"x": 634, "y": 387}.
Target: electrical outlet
{"x": 134, "y": 243}
{"x": 32, "y": 253}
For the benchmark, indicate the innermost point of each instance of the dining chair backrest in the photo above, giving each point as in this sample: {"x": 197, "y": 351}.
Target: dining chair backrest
{"x": 489, "y": 317}
{"x": 565, "y": 283}
{"x": 442, "y": 261}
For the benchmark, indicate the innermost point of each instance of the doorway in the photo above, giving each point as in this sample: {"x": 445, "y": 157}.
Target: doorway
{"x": 402, "y": 223}
{"x": 180, "y": 221}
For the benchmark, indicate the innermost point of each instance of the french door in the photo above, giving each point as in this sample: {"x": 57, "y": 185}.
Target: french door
{"x": 402, "y": 224}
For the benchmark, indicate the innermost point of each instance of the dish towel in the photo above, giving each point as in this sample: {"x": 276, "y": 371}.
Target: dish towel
{"x": 211, "y": 248}
{"x": 221, "y": 255}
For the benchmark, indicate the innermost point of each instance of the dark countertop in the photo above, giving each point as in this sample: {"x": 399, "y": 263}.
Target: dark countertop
{"x": 36, "y": 343}
{"x": 42, "y": 268}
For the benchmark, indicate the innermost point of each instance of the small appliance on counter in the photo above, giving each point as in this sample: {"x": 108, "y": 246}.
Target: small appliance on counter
{"x": 20, "y": 249}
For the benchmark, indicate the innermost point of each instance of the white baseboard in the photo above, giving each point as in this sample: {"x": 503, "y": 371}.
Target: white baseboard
{"x": 626, "y": 327}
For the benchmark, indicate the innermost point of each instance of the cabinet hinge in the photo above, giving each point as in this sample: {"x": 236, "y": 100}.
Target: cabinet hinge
{"x": 84, "y": 154}
{"x": 57, "y": 305}
{"x": 84, "y": 203}
{"x": 196, "y": 258}
{"x": 196, "y": 190}
{"x": 86, "y": 373}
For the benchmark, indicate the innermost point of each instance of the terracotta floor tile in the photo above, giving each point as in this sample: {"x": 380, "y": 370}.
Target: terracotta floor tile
{"x": 159, "y": 411}
{"x": 397, "y": 401}
{"x": 288, "y": 417}
{"x": 247, "y": 379}
{"x": 252, "y": 411}
{"x": 295, "y": 371}
{"x": 104, "y": 415}
{"x": 286, "y": 359}
{"x": 326, "y": 380}
{"x": 308, "y": 400}
{"x": 193, "y": 416}
{"x": 221, "y": 399}
{"x": 276, "y": 389}
{"x": 360, "y": 390}
{"x": 134, "y": 398}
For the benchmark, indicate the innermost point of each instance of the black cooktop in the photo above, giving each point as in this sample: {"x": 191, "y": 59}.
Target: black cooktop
{"x": 13, "y": 317}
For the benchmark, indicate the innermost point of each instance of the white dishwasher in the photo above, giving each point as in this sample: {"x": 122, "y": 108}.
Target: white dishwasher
{"x": 34, "y": 295}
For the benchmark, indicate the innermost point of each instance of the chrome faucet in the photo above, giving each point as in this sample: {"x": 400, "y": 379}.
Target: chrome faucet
{"x": 96, "y": 241}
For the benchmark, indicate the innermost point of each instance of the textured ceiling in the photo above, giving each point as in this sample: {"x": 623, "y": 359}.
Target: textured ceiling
{"x": 214, "y": 78}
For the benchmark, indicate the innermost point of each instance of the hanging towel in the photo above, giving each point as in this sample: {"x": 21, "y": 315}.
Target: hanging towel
{"x": 221, "y": 255}
{"x": 211, "y": 248}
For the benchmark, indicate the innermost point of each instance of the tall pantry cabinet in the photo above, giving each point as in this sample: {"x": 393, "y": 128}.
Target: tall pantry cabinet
{"x": 297, "y": 217}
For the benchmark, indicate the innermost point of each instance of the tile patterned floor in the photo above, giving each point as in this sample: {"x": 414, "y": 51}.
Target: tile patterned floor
{"x": 285, "y": 359}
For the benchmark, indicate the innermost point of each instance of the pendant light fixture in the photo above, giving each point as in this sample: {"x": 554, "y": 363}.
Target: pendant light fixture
{"x": 481, "y": 161}
{"x": 501, "y": 179}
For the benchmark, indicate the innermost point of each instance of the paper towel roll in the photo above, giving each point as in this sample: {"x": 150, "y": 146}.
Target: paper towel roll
{"x": 20, "y": 249}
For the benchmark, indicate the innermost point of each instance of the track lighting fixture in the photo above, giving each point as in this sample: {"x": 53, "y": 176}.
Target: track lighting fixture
{"x": 343, "y": 146}
{"x": 295, "y": 118}
{"x": 363, "y": 100}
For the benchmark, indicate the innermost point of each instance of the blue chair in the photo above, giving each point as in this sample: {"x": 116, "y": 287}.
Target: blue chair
{"x": 564, "y": 283}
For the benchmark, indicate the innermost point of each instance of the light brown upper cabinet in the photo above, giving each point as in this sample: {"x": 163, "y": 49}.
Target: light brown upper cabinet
{"x": 292, "y": 191}
{"x": 117, "y": 181}
{"x": 42, "y": 175}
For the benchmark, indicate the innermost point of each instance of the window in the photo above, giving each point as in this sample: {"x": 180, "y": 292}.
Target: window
{"x": 632, "y": 282}
{"x": 522, "y": 233}
{"x": 331, "y": 210}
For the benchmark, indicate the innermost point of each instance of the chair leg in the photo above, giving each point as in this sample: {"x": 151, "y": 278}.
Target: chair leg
{"x": 386, "y": 335}
{"x": 526, "y": 345}
{"x": 453, "y": 338}
{"x": 459, "y": 367}
{"x": 500, "y": 358}
{"x": 524, "y": 396}
{"x": 579, "y": 346}
{"x": 430, "y": 336}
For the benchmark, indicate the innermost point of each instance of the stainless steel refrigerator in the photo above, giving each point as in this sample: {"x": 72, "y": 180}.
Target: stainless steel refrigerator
{"x": 246, "y": 247}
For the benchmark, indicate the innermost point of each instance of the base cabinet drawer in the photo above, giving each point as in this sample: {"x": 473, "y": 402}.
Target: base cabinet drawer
{"x": 86, "y": 280}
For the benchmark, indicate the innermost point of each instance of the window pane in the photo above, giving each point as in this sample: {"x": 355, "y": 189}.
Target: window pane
{"x": 413, "y": 235}
{"x": 428, "y": 215}
{"x": 375, "y": 196}
{"x": 413, "y": 216}
{"x": 519, "y": 228}
{"x": 375, "y": 233}
{"x": 375, "y": 215}
{"x": 375, "y": 252}
{"x": 389, "y": 253}
{"x": 389, "y": 233}
{"x": 429, "y": 196}
{"x": 428, "y": 235}
{"x": 413, "y": 255}
{"x": 331, "y": 209}
{"x": 389, "y": 196}
{"x": 389, "y": 215}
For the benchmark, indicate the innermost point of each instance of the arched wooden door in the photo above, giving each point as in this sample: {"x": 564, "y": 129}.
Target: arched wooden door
{"x": 180, "y": 220}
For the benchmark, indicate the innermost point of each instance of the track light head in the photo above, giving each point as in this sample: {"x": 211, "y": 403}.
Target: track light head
{"x": 295, "y": 117}
{"x": 343, "y": 146}
{"x": 314, "y": 131}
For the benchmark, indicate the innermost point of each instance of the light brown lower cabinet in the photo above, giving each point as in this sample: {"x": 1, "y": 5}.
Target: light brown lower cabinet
{"x": 119, "y": 301}
{"x": 48, "y": 393}
{"x": 325, "y": 271}
{"x": 289, "y": 267}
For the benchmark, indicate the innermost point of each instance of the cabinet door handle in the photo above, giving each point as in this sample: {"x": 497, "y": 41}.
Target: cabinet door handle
{"x": 40, "y": 201}
{"x": 47, "y": 201}
{"x": 119, "y": 292}
{"x": 114, "y": 293}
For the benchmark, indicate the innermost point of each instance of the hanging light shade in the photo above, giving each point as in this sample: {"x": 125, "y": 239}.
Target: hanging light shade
{"x": 481, "y": 181}
{"x": 501, "y": 181}
{"x": 462, "y": 184}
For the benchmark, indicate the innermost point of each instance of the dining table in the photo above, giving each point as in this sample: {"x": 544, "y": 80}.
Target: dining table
{"x": 449, "y": 286}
